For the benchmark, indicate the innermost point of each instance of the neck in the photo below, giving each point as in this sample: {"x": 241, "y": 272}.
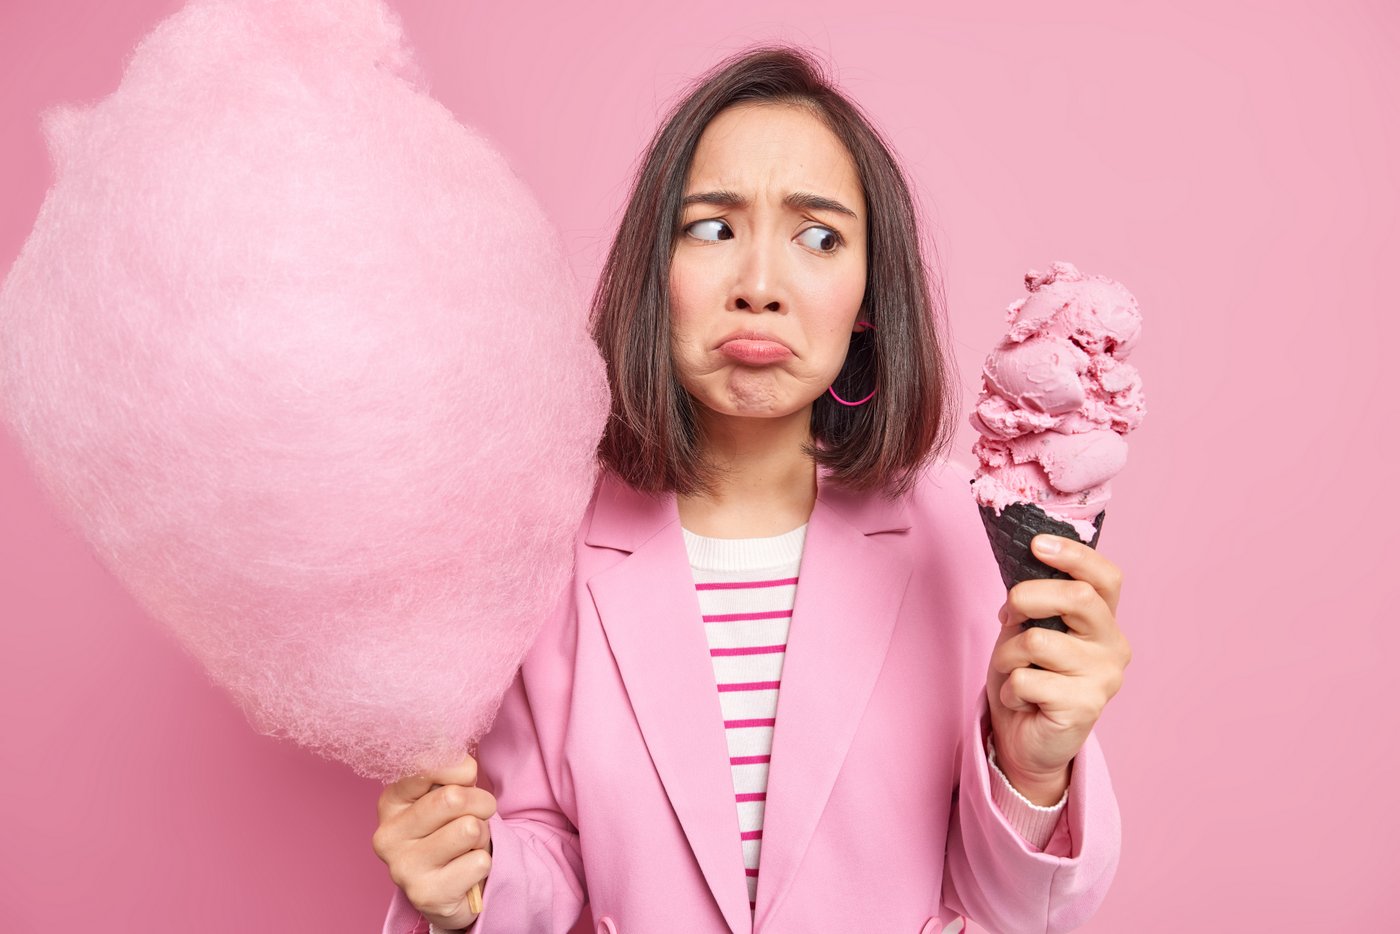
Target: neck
{"x": 763, "y": 482}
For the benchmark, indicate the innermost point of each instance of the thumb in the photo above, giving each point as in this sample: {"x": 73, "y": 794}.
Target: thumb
{"x": 463, "y": 773}
{"x": 412, "y": 788}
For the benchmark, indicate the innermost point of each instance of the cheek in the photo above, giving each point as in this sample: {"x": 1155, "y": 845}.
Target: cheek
{"x": 833, "y": 356}
{"x": 689, "y": 282}
{"x": 685, "y": 304}
{"x": 835, "y": 303}
{"x": 686, "y": 339}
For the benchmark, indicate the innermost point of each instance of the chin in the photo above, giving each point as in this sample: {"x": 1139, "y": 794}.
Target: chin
{"x": 743, "y": 392}
{"x": 761, "y": 405}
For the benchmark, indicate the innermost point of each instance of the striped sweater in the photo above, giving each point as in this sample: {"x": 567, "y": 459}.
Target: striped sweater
{"x": 746, "y": 588}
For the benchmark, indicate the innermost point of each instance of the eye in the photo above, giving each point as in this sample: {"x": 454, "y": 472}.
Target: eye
{"x": 698, "y": 225}
{"x": 828, "y": 238}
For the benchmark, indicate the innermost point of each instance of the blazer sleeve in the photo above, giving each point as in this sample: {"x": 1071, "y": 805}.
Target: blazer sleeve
{"x": 536, "y": 881}
{"x": 993, "y": 876}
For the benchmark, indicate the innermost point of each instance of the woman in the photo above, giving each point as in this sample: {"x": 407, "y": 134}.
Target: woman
{"x": 773, "y": 698}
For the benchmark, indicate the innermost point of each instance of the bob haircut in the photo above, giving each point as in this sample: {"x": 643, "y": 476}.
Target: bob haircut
{"x": 652, "y": 438}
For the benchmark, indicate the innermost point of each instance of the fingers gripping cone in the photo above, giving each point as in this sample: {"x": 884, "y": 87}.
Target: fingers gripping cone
{"x": 1010, "y": 535}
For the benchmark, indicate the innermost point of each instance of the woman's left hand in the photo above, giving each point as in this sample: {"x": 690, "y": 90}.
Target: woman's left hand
{"x": 1040, "y": 719}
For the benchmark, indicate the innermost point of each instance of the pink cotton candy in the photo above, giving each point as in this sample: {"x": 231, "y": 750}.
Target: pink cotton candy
{"x": 302, "y": 358}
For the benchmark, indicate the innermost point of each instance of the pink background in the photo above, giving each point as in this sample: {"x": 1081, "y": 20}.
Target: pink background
{"x": 1232, "y": 164}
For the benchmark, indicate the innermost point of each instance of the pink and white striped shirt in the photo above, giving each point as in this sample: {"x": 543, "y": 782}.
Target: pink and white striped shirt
{"x": 747, "y": 588}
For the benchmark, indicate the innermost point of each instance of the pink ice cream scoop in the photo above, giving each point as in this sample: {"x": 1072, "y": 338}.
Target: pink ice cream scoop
{"x": 1058, "y": 397}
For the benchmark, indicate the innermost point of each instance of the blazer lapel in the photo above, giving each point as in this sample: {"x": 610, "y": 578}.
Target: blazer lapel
{"x": 651, "y": 616}
{"x": 850, "y": 587}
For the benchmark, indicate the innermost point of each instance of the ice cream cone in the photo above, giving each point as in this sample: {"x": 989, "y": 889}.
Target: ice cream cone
{"x": 1010, "y": 535}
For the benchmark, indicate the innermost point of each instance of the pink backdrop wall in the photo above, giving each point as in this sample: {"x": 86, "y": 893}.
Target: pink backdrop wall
{"x": 1232, "y": 164}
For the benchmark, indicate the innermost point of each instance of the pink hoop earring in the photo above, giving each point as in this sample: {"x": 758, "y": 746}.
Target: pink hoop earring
{"x": 832, "y": 389}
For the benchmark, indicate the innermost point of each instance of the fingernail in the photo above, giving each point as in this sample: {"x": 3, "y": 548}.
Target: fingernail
{"x": 1046, "y": 544}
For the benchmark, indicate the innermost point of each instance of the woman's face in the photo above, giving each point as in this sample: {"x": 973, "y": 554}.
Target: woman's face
{"x": 768, "y": 269}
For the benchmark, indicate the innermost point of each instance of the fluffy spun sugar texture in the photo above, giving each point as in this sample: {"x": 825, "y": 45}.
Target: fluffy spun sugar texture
{"x": 302, "y": 358}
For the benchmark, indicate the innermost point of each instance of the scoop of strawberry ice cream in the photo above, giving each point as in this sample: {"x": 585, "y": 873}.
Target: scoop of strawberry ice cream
{"x": 1058, "y": 397}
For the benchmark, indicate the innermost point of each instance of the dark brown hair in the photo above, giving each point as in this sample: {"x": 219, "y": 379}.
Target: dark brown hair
{"x": 652, "y": 438}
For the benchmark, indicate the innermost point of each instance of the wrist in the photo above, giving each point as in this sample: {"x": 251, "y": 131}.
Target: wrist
{"x": 1040, "y": 792}
{"x": 1043, "y": 789}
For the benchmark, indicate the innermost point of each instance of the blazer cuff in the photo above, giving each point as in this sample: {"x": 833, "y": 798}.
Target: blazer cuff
{"x": 1089, "y": 821}
{"x": 995, "y": 877}
{"x": 529, "y": 888}
{"x": 1035, "y": 823}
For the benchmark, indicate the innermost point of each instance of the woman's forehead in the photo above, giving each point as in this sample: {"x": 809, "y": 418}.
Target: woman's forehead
{"x": 769, "y": 152}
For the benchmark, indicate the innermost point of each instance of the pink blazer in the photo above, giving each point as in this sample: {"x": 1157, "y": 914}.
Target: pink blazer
{"x": 611, "y": 773}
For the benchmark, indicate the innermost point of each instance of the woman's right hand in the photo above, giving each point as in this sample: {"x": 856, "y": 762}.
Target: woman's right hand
{"x": 434, "y": 838}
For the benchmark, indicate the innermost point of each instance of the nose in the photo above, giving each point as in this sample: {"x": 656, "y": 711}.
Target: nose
{"x": 761, "y": 284}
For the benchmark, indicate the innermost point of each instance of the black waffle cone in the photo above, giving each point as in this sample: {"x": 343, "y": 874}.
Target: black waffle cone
{"x": 1010, "y": 535}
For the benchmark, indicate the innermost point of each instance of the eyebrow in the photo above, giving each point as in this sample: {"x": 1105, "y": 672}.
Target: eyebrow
{"x": 797, "y": 200}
